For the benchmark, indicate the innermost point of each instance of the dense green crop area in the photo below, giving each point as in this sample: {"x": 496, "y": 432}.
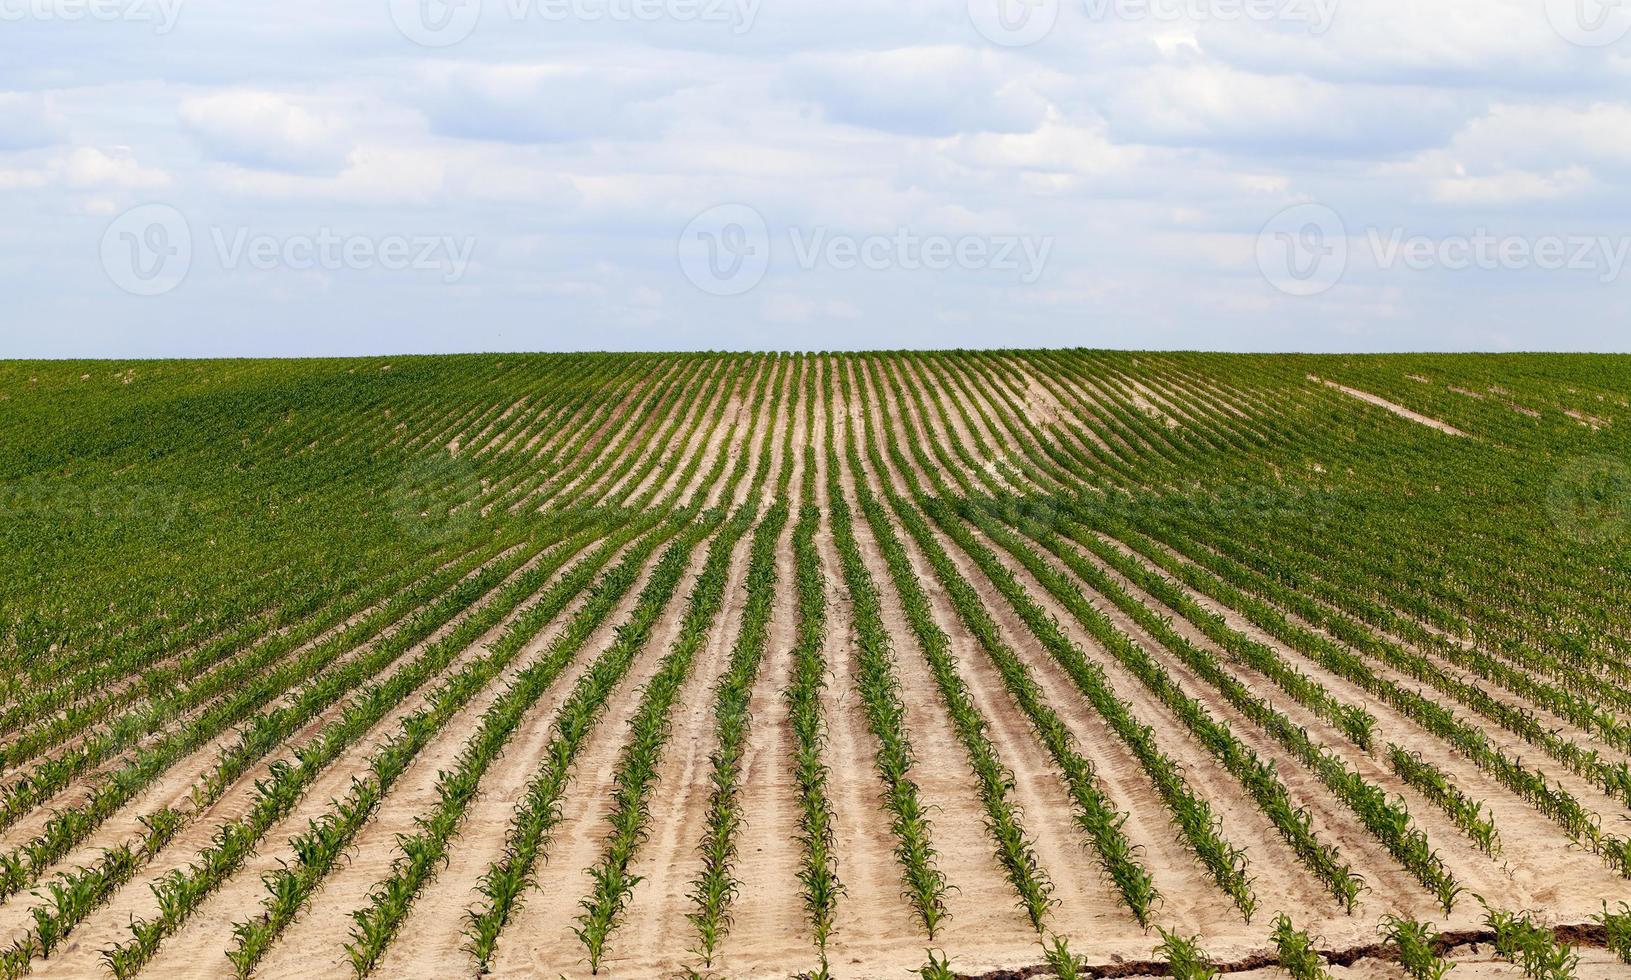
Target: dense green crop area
{"x": 1284, "y": 639}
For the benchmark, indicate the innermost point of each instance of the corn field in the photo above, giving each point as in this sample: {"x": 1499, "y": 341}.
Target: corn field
{"x": 1072, "y": 662}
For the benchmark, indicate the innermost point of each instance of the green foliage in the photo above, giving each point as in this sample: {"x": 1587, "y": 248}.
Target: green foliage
{"x": 1416, "y": 943}
{"x": 1618, "y": 927}
{"x": 1298, "y": 956}
{"x": 253, "y": 564}
{"x": 1185, "y": 958}
{"x": 1534, "y": 948}
{"x": 938, "y": 967}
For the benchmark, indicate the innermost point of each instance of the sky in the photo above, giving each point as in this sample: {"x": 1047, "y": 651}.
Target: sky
{"x": 295, "y": 177}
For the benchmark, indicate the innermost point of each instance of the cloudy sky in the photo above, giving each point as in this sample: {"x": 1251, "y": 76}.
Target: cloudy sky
{"x": 279, "y": 177}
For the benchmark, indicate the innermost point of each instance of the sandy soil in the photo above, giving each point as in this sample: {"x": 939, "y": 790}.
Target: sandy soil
{"x": 109, "y": 925}
{"x": 1393, "y": 407}
{"x": 522, "y": 440}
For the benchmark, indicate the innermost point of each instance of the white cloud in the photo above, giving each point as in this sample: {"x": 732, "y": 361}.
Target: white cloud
{"x": 27, "y": 121}
{"x": 1513, "y": 187}
{"x": 546, "y": 103}
{"x": 87, "y": 168}
{"x": 1210, "y": 105}
{"x": 1150, "y": 151}
{"x": 920, "y": 91}
{"x": 90, "y": 167}
{"x": 266, "y": 131}
{"x": 783, "y": 307}
{"x": 1544, "y": 136}
{"x": 1057, "y": 145}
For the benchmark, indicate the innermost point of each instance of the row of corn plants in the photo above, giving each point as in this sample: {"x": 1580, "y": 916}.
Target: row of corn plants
{"x": 422, "y": 853}
{"x": 529, "y": 833}
{"x": 1416, "y": 944}
{"x": 254, "y": 742}
{"x": 882, "y": 701}
{"x": 637, "y": 766}
{"x": 377, "y": 924}
{"x": 69, "y": 827}
{"x": 1199, "y": 827}
{"x": 716, "y": 886}
{"x": 1613, "y": 778}
{"x": 1226, "y": 863}
{"x": 637, "y": 769}
{"x": 818, "y": 865}
{"x": 162, "y": 680}
{"x": 1387, "y": 818}
{"x": 73, "y": 895}
{"x": 1534, "y": 948}
{"x": 51, "y": 775}
{"x": 1015, "y": 852}
{"x": 182, "y": 891}
{"x": 1095, "y": 812}
{"x": 1548, "y": 798}
{"x": 319, "y": 848}
{"x": 1435, "y": 784}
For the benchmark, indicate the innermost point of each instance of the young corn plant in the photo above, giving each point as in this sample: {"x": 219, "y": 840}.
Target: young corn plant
{"x": 1298, "y": 956}
{"x": 1433, "y": 783}
{"x": 530, "y": 829}
{"x": 1417, "y": 946}
{"x": 1618, "y": 927}
{"x": 1185, "y": 958}
{"x": 1533, "y": 947}
{"x": 938, "y": 967}
{"x": 1014, "y": 850}
{"x": 1064, "y": 964}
